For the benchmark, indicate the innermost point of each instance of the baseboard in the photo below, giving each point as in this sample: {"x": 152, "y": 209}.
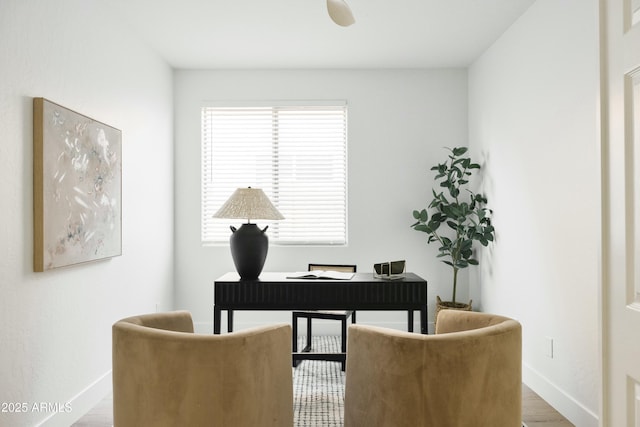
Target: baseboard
{"x": 71, "y": 411}
{"x": 320, "y": 327}
{"x": 564, "y": 403}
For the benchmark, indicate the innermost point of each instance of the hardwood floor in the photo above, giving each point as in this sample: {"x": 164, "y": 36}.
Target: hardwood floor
{"x": 535, "y": 413}
{"x": 538, "y": 413}
{"x": 100, "y": 416}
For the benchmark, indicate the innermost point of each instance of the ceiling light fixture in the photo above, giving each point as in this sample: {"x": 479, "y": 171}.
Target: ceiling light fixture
{"x": 340, "y": 12}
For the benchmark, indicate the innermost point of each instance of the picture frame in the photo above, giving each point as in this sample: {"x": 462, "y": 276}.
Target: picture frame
{"x": 77, "y": 187}
{"x": 389, "y": 270}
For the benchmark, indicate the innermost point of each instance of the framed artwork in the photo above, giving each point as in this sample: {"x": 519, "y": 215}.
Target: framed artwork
{"x": 77, "y": 187}
{"x": 389, "y": 270}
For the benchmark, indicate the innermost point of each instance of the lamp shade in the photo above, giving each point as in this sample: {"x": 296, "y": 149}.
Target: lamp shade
{"x": 249, "y": 244}
{"x": 248, "y": 203}
{"x": 340, "y": 12}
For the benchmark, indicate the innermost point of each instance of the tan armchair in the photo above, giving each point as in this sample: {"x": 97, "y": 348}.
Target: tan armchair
{"x": 467, "y": 375}
{"x": 165, "y": 375}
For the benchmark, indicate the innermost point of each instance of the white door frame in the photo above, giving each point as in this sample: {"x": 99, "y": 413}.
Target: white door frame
{"x": 620, "y": 56}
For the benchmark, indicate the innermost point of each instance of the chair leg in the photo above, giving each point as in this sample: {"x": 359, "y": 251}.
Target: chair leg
{"x": 308, "y": 347}
{"x": 353, "y": 317}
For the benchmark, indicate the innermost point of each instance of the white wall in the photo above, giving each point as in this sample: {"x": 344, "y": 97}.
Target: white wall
{"x": 398, "y": 123}
{"x": 533, "y": 117}
{"x": 55, "y": 327}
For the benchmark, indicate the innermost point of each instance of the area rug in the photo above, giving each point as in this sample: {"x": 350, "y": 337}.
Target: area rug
{"x": 318, "y": 387}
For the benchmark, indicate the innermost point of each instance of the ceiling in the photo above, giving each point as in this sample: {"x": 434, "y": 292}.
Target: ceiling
{"x": 268, "y": 34}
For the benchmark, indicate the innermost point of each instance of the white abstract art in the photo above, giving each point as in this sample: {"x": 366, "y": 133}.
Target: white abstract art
{"x": 77, "y": 188}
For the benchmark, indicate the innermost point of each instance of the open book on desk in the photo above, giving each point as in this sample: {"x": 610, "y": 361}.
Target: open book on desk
{"x": 321, "y": 274}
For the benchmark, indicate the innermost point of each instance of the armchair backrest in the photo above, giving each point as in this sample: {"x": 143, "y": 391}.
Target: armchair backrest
{"x": 470, "y": 376}
{"x": 165, "y": 375}
{"x": 177, "y": 321}
{"x": 454, "y": 321}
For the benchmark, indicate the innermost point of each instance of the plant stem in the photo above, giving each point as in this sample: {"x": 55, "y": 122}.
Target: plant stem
{"x": 455, "y": 283}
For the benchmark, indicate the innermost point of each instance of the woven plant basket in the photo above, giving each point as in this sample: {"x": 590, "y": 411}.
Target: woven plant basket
{"x": 448, "y": 305}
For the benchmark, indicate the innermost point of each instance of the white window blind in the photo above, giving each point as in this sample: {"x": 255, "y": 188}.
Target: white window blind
{"x": 296, "y": 154}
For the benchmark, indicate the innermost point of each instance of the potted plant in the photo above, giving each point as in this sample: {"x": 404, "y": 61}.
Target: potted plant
{"x": 455, "y": 219}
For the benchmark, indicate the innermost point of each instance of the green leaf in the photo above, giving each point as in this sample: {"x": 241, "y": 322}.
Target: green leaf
{"x": 459, "y": 151}
{"x": 422, "y": 227}
{"x": 480, "y": 198}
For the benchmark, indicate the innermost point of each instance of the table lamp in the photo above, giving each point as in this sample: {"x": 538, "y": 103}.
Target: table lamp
{"x": 249, "y": 244}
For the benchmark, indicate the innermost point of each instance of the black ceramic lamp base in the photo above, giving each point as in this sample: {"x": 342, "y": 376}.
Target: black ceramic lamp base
{"x": 249, "y": 247}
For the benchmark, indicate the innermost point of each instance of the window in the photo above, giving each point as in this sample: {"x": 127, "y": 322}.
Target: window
{"x": 296, "y": 153}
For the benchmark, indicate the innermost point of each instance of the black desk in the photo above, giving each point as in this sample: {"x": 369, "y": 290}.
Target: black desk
{"x": 273, "y": 291}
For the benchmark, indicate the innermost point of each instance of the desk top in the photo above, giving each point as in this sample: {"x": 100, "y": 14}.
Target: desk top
{"x": 280, "y": 277}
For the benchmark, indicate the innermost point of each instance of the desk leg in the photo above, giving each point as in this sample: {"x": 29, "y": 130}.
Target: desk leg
{"x": 410, "y": 320}
{"x": 229, "y": 321}
{"x": 217, "y": 317}
{"x": 424, "y": 329}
